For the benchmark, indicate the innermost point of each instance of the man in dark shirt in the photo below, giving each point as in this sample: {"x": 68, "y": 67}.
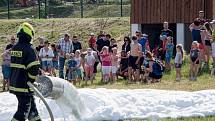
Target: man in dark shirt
{"x": 76, "y": 44}
{"x": 166, "y": 32}
{"x": 104, "y": 40}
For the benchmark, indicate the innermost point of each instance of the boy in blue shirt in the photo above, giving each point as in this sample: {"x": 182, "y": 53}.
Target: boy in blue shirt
{"x": 72, "y": 66}
{"x": 169, "y": 53}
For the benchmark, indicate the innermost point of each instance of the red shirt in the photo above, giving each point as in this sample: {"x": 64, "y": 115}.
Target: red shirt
{"x": 92, "y": 42}
{"x": 106, "y": 59}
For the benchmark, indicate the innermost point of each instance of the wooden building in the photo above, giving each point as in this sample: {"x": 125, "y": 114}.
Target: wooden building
{"x": 148, "y": 15}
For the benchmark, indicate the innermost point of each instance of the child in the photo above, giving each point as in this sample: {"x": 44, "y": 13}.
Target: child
{"x": 114, "y": 63}
{"x": 194, "y": 60}
{"x": 141, "y": 66}
{"x": 95, "y": 54}
{"x": 6, "y": 68}
{"x": 123, "y": 69}
{"x": 54, "y": 59}
{"x": 106, "y": 64}
{"x": 169, "y": 53}
{"x": 72, "y": 66}
{"x": 178, "y": 61}
{"x": 89, "y": 65}
{"x": 79, "y": 61}
{"x": 133, "y": 69}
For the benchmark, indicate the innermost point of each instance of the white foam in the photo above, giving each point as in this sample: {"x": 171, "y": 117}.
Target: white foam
{"x": 113, "y": 104}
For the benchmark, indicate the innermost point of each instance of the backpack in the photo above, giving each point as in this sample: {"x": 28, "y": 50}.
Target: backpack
{"x": 159, "y": 67}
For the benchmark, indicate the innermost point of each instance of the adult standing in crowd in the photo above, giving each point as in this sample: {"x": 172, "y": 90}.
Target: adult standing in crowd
{"x": 41, "y": 44}
{"x": 126, "y": 45}
{"x": 200, "y": 18}
{"x": 76, "y": 43}
{"x": 166, "y": 32}
{"x": 46, "y": 54}
{"x": 12, "y": 43}
{"x": 64, "y": 46}
{"x": 104, "y": 40}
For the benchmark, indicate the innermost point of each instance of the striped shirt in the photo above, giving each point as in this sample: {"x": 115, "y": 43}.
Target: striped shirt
{"x": 65, "y": 46}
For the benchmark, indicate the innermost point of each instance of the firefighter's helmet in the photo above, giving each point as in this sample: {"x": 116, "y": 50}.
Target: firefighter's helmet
{"x": 27, "y": 29}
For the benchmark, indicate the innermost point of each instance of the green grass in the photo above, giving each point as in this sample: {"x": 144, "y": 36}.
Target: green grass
{"x": 54, "y": 29}
{"x": 205, "y": 81}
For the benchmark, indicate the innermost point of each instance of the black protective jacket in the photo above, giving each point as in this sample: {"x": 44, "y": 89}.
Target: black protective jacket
{"x": 24, "y": 67}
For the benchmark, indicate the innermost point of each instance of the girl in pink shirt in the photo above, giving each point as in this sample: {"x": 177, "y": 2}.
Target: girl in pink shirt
{"x": 106, "y": 64}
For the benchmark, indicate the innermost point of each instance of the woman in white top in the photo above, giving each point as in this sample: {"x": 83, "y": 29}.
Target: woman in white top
{"x": 46, "y": 54}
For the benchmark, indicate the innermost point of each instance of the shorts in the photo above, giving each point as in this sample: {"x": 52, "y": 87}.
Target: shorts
{"x": 72, "y": 75}
{"x": 207, "y": 43}
{"x": 6, "y": 71}
{"x": 132, "y": 62}
{"x": 79, "y": 73}
{"x": 106, "y": 70}
{"x": 154, "y": 76}
{"x": 88, "y": 69}
{"x": 114, "y": 69}
{"x": 178, "y": 65}
{"x": 213, "y": 49}
{"x": 55, "y": 64}
{"x": 194, "y": 59}
{"x": 47, "y": 64}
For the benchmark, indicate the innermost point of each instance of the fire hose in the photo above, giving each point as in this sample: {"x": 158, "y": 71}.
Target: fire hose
{"x": 42, "y": 98}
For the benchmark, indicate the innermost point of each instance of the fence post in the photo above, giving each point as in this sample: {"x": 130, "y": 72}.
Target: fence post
{"x": 82, "y": 9}
{"x": 45, "y": 8}
{"x": 39, "y": 8}
{"x": 121, "y": 8}
{"x": 8, "y": 9}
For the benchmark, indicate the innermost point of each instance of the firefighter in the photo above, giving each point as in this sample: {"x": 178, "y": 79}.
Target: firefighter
{"x": 24, "y": 68}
